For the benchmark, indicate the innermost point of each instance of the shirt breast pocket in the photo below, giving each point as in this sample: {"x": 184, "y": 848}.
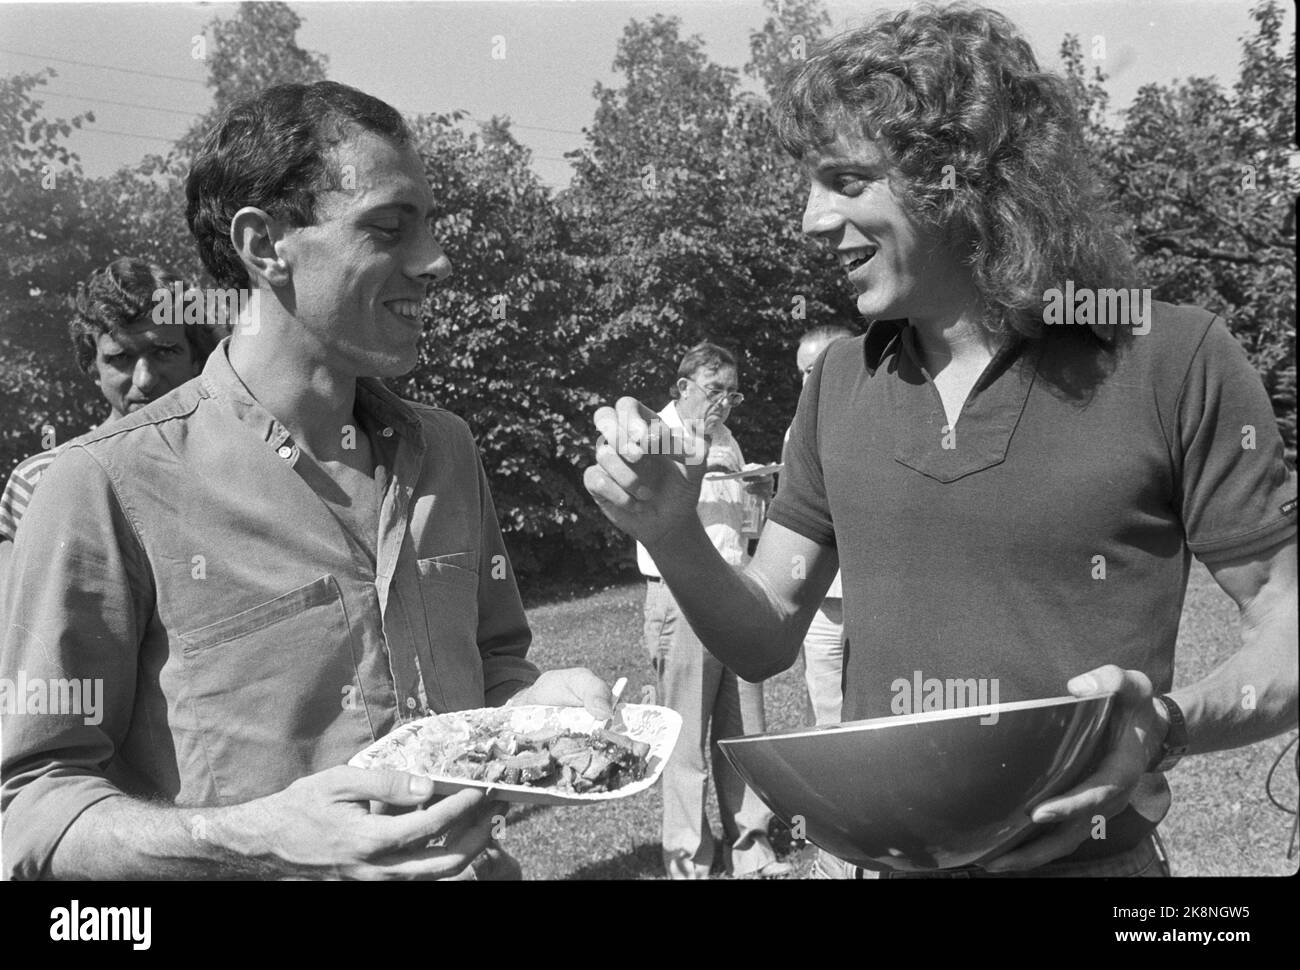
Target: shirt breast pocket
{"x": 449, "y": 603}
{"x": 267, "y": 688}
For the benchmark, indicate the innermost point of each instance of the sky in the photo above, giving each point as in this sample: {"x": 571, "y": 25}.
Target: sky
{"x": 137, "y": 71}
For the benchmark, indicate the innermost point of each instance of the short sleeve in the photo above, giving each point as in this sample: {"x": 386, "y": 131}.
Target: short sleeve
{"x": 1237, "y": 494}
{"x": 800, "y": 503}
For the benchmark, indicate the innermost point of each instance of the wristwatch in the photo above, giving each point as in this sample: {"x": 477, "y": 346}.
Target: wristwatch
{"x": 1174, "y": 745}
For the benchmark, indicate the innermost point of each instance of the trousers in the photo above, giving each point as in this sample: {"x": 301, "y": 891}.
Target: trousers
{"x": 714, "y": 704}
{"x": 823, "y": 659}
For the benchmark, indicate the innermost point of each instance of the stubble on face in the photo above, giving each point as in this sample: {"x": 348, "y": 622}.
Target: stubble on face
{"x": 359, "y": 271}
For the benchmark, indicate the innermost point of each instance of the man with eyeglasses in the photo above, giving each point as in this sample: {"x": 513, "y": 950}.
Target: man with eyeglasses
{"x": 714, "y": 702}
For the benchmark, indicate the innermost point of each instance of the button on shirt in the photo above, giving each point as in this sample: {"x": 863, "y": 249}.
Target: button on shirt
{"x": 722, "y": 504}
{"x": 230, "y": 632}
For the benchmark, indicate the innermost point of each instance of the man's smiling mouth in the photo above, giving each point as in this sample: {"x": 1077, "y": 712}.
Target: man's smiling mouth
{"x": 851, "y": 259}
{"x": 410, "y": 309}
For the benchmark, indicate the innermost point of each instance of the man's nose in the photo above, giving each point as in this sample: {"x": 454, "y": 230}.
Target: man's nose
{"x": 145, "y": 375}
{"x": 819, "y": 214}
{"x": 430, "y": 262}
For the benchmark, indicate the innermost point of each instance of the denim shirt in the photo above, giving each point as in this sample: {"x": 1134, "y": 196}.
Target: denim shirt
{"x": 239, "y": 635}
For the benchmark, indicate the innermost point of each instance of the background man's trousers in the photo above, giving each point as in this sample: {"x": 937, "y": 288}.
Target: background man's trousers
{"x": 694, "y": 683}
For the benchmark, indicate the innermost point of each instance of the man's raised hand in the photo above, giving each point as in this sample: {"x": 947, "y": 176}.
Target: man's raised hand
{"x": 647, "y": 475}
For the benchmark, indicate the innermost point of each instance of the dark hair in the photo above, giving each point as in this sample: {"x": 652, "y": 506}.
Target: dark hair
{"x": 274, "y": 151}
{"x": 703, "y": 355}
{"x": 120, "y": 296}
{"x": 989, "y": 147}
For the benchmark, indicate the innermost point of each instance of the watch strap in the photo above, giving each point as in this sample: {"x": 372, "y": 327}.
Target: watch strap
{"x": 1174, "y": 745}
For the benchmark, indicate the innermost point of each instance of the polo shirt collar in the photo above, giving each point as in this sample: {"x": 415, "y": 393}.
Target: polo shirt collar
{"x": 923, "y": 439}
{"x": 880, "y": 341}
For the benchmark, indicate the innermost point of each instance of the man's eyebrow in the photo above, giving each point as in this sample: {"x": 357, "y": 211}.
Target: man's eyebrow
{"x": 406, "y": 208}
{"x": 848, "y": 161}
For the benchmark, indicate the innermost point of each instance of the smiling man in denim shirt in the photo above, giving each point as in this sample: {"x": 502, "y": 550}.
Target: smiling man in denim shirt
{"x": 276, "y": 563}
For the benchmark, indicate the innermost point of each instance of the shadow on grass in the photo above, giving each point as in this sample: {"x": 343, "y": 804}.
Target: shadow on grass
{"x": 520, "y": 812}
{"x": 645, "y": 861}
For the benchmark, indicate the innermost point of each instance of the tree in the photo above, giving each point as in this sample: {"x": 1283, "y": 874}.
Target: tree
{"x": 500, "y": 347}
{"x": 788, "y": 35}
{"x": 46, "y": 235}
{"x": 1208, "y": 179}
{"x": 60, "y": 226}
{"x": 686, "y": 223}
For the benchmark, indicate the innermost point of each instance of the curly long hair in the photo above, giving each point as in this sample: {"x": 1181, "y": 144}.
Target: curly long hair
{"x": 989, "y": 147}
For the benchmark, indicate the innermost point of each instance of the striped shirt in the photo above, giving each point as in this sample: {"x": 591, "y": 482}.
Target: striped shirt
{"x": 18, "y": 491}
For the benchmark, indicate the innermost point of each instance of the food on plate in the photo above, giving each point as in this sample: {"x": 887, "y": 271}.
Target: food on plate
{"x": 559, "y": 759}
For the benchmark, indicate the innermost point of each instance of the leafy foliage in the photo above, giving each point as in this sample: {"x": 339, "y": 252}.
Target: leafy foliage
{"x": 681, "y": 224}
{"x": 1208, "y": 180}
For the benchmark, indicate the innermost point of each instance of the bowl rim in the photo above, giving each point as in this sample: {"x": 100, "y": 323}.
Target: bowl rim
{"x": 924, "y": 717}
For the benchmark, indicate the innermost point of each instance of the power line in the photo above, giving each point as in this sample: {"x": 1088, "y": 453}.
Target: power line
{"x": 511, "y": 123}
{"x": 186, "y": 80}
{"x": 105, "y": 67}
{"x": 127, "y": 134}
{"x": 124, "y": 104}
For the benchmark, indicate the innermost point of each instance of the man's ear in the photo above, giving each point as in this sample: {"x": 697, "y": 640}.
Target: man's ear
{"x": 255, "y": 236}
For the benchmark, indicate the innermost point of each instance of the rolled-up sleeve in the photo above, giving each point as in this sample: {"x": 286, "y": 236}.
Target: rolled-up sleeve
{"x": 503, "y": 633}
{"x": 75, "y": 607}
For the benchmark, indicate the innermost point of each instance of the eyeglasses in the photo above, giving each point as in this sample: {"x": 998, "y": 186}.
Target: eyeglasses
{"x": 733, "y": 398}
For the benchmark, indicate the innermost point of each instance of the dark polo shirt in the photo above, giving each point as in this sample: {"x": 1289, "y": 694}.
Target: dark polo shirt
{"x": 1052, "y": 530}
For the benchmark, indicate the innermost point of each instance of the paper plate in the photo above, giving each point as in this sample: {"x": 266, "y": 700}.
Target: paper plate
{"x": 656, "y": 726}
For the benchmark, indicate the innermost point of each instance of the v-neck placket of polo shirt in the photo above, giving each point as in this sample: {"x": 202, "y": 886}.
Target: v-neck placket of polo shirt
{"x": 985, "y": 425}
{"x": 401, "y": 437}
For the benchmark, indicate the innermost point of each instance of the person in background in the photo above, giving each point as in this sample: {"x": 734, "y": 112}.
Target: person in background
{"x": 131, "y": 359}
{"x": 713, "y": 702}
{"x": 823, "y": 644}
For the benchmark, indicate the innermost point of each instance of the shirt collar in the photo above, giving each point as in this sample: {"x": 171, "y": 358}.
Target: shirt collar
{"x": 374, "y": 401}
{"x": 882, "y": 339}
{"x": 673, "y": 419}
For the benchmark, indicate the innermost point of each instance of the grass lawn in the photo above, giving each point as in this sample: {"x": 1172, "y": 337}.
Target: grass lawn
{"x": 1221, "y": 822}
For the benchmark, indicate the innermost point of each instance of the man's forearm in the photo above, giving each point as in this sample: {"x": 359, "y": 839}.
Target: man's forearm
{"x": 1251, "y": 696}
{"x": 731, "y": 611}
{"x": 125, "y": 838}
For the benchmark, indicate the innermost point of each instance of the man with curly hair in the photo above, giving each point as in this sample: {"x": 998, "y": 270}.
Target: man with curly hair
{"x": 1012, "y": 489}
{"x": 131, "y": 357}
